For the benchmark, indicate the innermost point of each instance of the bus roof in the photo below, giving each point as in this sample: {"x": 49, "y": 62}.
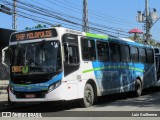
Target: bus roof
{"x": 97, "y": 36}
{"x": 130, "y": 42}
{"x": 92, "y": 35}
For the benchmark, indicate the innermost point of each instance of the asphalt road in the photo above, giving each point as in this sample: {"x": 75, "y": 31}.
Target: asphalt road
{"x": 108, "y": 106}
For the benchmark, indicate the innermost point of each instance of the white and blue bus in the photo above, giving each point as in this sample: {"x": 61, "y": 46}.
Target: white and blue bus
{"x": 157, "y": 65}
{"x": 54, "y": 64}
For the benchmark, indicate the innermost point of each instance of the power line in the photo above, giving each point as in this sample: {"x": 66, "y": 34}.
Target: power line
{"x": 97, "y": 16}
{"x": 109, "y": 28}
{"x": 101, "y": 18}
{"x": 55, "y": 15}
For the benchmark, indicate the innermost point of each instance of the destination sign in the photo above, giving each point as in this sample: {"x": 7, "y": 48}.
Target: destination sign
{"x": 36, "y": 34}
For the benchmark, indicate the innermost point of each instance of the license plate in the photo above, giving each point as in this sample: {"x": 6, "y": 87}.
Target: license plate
{"x": 30, "y": 95}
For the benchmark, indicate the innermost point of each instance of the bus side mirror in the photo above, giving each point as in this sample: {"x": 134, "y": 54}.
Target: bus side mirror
{"x": 6, "y": 56}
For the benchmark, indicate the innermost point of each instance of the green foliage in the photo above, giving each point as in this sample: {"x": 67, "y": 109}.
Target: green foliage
{"x": 154, "y": 43}
{"x": 58, "y": 25}
{"x": 38, "y": 26}
{"x": 139, "y": 39}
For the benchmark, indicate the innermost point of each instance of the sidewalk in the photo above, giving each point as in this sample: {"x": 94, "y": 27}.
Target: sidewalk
{"x": 4, "y": 105}
{"x": 3, "y": 102}
{"x": 3, "y": 94}
{"x": 3, "y": 97}
{"x": 3, "y": 86}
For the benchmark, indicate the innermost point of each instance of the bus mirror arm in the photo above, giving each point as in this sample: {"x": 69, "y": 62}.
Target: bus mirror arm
{"x": 6, "y": 56}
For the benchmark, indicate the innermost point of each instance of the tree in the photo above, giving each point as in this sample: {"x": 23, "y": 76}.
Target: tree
{"x": 38, "y": 26}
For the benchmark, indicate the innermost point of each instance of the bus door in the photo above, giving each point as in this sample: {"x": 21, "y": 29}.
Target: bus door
{"x": 134, "y": 53}
{"x": 157, "y": 65}
{"x": 71, "y": 63}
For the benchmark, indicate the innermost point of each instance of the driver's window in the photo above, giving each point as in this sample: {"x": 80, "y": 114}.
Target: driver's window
{"x": 70, "y": 48}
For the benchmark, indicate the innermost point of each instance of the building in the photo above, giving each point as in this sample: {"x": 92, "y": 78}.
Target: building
{"x": 4, "y": 41}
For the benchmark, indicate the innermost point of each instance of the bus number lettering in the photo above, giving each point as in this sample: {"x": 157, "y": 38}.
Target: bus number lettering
{"x": 20, "y": 36}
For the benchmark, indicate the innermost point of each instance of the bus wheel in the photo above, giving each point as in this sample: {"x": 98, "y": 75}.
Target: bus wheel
{"x": 88, "y": 98}
{"x": 138, "y": 88}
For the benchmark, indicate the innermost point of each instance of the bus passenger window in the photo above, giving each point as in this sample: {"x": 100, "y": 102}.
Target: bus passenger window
{"x": 88, "y": 49}
{"x": 142, "y": 55}
{"x": 125, "y": 53}
{"x": 102, "y": 51}
{"x": 134, "y": 54}
{"x": 150, "y": 58}
{"x": 114, "y": 52}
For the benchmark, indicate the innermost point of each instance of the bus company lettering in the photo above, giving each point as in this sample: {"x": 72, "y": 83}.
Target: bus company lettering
{"x": 42, "y": 34}
{"x": 34, "y": 35}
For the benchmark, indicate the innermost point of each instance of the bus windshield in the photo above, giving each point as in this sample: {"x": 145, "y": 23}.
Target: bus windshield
{"x": 41, "y": 57}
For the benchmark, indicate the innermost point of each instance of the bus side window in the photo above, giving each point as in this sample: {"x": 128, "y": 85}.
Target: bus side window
{"x": 150, "y": 56}
{"x": 114, "y": 52}
{"x": 125, "y": 53}
{"x": 142, "y": 55}
{"x": 70, "y": 49}
{"x": 88, "y": 49}
{"x": 134, "y": 54}
{"x": 102, "y": 51}
{"x": 71, "y": 54}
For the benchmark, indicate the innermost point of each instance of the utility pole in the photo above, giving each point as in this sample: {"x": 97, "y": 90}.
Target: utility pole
{"x": 147, "y": 22}
{"x": 148, "y": 18}
{"x": 14, "y": 16}
{"x": 85, "y": 26}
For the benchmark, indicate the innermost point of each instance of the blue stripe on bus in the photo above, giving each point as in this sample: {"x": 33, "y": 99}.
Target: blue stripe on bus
{"x": 36, "y": 87}
{"x": 119, "y": 75}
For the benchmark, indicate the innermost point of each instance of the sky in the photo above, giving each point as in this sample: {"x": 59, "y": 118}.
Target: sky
{"x": 112, "y": 15}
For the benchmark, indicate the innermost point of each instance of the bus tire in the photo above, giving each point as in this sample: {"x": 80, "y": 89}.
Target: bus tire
{"x": 138, "y": 88}
{"x": 88, "y": 98}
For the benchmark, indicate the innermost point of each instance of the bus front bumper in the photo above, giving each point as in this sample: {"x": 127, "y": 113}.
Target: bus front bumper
{"x": 57, "y": 94}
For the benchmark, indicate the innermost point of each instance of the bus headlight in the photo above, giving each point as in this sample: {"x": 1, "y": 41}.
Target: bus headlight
{"x": 54, "y": 86}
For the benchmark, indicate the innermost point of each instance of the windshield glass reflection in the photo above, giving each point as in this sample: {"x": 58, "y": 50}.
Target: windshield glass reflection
{"x": 42, "y": 57}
